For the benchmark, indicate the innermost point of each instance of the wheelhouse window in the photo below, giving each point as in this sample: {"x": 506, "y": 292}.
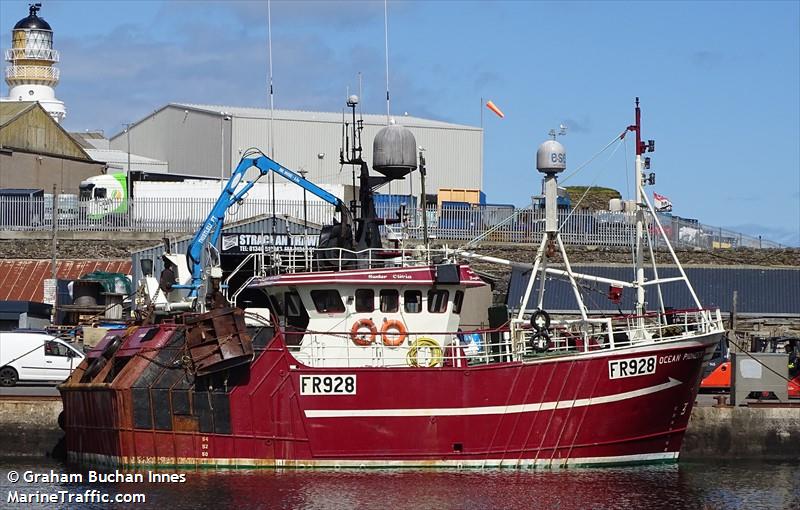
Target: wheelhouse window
{"x": 390, "y": 301}
{"x": 365, "y": 300}
{"x": 458, "y": 300}
{"x": 293, "y": 304}
{"x": 327, "y": 301}
{"x": 274, "y": 304}
{"x": 412, "y": 301}
{"x": 437, "y": 301}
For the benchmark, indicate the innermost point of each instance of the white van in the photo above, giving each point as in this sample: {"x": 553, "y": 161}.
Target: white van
{"x": 35, "y": 357}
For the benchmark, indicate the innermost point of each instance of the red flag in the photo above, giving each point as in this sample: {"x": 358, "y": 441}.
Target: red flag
{"x": 490, "y": 105}
{"x": 662, "y": 203}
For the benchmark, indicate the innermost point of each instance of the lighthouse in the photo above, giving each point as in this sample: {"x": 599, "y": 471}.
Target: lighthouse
{"x": 31, "y": 75}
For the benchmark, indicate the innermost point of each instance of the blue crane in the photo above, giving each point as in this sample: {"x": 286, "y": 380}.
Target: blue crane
{"x": 209, "y": 232}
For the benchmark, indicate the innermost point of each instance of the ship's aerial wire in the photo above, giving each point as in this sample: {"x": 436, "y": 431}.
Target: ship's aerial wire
{"x": 271, "y": 117}
{"x": 386, "y": 56}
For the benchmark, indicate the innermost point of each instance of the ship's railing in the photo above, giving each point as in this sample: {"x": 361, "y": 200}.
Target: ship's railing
{"x": 601, "y": 333}
{"x": 499, "y": 224}
{"x": 427, "y": 350}
{"x": 512, "y": 342}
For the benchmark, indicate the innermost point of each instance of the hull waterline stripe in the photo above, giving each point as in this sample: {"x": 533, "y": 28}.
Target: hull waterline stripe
{"x": 245, "y": 463}
{"x": 477, "y": 411}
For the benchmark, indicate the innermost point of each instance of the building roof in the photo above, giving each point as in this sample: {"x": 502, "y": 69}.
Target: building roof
{"x": 23, "y": 280}
{"x": 119, "y": 160}
{"x": 90, "y": 139}
{"x": 308, "y": 116}
{"x": 10, "y": 110}
{"x": 17, "y": 118}
{"x": 32, "y": 21}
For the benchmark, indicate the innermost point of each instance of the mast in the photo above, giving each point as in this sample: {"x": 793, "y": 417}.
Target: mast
{"x": 637, "y": 179}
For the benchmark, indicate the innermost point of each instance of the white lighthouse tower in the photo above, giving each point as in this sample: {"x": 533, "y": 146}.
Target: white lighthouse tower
{"x": 30, "y": 74}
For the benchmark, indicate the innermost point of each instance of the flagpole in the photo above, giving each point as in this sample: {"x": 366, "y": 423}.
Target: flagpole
{"x": 483, "y": 141}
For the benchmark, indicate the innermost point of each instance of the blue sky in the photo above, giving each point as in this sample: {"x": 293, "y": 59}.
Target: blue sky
{"x": 719, "y": 81}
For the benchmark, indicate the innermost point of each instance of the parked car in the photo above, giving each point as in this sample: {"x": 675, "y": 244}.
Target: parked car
{"x": 35, "y": 357}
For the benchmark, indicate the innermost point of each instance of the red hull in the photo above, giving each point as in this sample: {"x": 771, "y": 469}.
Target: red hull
{"x": 554, "y": 412}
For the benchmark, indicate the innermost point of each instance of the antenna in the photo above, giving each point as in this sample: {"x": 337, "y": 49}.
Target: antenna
{"x": 386, "y": 48}
{"x": 271, "y": 92}
{"x": 271, "y": 117}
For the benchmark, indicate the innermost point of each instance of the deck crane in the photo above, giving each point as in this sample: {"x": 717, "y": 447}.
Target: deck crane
{"x": 181, "y": 275}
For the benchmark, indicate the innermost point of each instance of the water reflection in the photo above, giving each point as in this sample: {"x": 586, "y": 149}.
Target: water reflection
{"x": 705, "y": 485}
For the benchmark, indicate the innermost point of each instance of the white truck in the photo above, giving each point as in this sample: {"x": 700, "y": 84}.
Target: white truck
{"x": 35, "y": 357}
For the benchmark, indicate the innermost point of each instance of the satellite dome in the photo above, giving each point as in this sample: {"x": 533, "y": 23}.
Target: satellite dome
{"x": 394, "y": 151}
{"x": 551, "y": 157}
{"x": 32, "y": 21}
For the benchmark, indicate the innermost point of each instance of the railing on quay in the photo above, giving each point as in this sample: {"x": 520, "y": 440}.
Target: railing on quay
{"x": 499, "y": 224}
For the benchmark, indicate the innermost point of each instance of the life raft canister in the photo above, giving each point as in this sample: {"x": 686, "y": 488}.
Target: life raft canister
{"x": 393, "y": 333}
{"x": 363, "y": 332}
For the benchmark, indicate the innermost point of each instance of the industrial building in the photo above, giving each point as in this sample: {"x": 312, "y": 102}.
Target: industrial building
{"x": 37, "y": 153}
{"x": 208, "y": 141}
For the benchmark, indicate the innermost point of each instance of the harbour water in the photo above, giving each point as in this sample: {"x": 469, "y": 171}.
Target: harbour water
{"x": 689, "y": 485}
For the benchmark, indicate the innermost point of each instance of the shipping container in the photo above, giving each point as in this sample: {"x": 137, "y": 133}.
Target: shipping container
{"x": 469, "y": 196}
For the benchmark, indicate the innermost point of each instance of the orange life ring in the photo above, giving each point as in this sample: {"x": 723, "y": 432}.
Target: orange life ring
{"x": 390, "y": 338}
{"x": 359, "y": 336}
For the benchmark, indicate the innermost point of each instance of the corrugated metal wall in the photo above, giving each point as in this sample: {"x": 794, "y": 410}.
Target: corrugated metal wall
{"x": 181, "y": 245}
{"x": 453, "y": 156}
{"x": 766, "y": 291}
{"x": 190, "y": 140}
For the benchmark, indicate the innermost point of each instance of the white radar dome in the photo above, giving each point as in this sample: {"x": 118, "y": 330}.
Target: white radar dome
{"x": 551, "y": 157}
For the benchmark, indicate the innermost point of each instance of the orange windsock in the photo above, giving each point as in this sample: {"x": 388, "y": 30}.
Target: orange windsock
{"x": 490, "y": 105}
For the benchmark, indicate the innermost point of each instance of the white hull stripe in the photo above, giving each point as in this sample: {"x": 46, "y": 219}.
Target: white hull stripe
{"x": 244, "y": 463}
{"x": 476, "y": 411}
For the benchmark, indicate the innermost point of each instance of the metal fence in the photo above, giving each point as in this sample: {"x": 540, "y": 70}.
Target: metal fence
{"x": 502, "y": 224}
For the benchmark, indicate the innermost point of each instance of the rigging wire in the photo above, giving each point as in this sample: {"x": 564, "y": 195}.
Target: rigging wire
{"x": 588, "y": 188}
{"x": 584, "y": 164}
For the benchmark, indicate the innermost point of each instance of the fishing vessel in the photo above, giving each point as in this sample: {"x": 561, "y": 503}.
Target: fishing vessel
{"x": 395, "y": 357}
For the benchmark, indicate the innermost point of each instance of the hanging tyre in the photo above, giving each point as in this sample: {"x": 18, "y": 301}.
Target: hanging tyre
{"x": 540, "y": 320}
{"x": 540, "y": 341}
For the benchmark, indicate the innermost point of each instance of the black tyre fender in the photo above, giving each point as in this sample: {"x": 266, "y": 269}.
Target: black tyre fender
{"x": 111, "y": 348}
{"x": 8, "y": 377}
{"x": 94, "y": 368}
{"x": 62, "y": 421}
{"x": 540, "y": 341}
{"x": 540, "y": 320}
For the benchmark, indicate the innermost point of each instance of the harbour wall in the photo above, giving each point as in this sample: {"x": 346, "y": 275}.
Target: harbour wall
{"x": 29, "y": 427}
{"x": 758, "y": 433}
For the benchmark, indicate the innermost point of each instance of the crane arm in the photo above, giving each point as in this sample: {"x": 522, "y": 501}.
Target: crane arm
{"x": 234, "y": 192}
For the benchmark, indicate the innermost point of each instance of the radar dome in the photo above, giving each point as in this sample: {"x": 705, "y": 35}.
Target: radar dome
{"x": 394, "y": 151}
{"x": 551, "y": 157}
